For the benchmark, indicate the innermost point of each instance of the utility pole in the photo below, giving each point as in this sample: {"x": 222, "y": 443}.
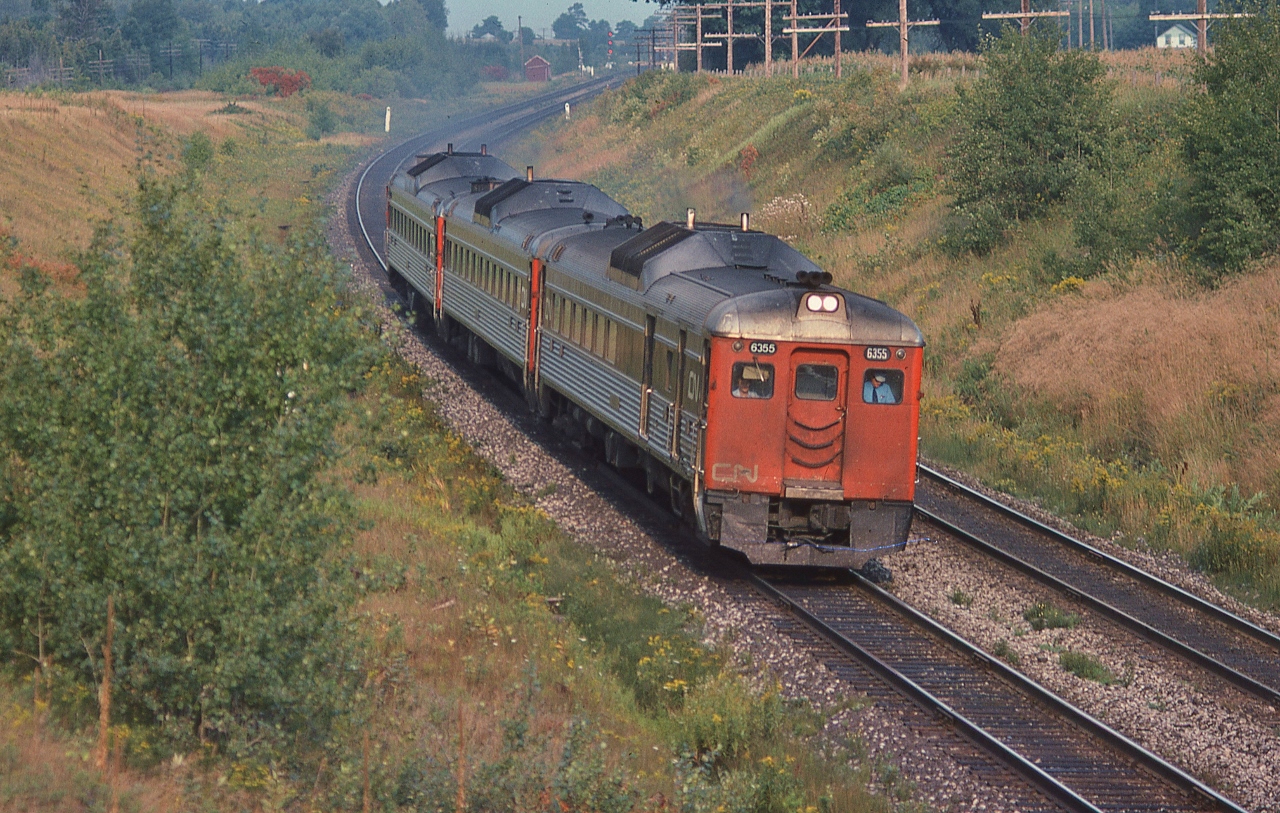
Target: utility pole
{"x": 1202, "y": 18}
{"x": 730, "y": 34}
{"x": 795, "y": 42}
{"x": 170, "y": 51}
{"x": 729, "y": 58}
{"x": 200, "y": 44}
{"x": 99, "y": 65}
{"x": 835, "y": 10}
{"x": 903, "y": 25}
{"x": 1106, "y": 39}
{"x": 768, "y": 37}
{"x": 520, "y": 35}
{"x": 694, "y": 18}
{"x": 833, "y": 23}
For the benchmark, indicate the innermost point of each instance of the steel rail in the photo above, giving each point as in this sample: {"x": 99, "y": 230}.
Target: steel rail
{"x": 1150, "y": 633}
{"x": 1086, "y": 723}
{"x": 1172, "y": 590}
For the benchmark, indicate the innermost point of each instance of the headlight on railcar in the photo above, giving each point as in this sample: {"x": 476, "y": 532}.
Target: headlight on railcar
{"x": 822, "y": 303}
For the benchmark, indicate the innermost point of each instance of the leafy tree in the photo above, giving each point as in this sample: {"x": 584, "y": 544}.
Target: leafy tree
{"x": 329, "y": 42}
{"x": 151, "y": 22}
{"x": 571, "y": 24}
{"x": 1025, "y": 133}
{"x": 83, "y": 19}
{"x": 492, "y": 25}
{"x": 165, "y": 438}
{"x": 1231, "y": 139}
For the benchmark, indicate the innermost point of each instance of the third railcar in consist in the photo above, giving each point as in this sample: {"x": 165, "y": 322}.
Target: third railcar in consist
{"x": 778, "y": 412}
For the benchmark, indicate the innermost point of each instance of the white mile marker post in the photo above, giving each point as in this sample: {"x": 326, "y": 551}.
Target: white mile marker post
{"x": 387, "y": 127}
{"x": 566, "y": 111}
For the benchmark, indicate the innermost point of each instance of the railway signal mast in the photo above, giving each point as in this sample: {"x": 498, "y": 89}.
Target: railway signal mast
{"x": 903, "y": 25}
{"x": 1202, "y": 18}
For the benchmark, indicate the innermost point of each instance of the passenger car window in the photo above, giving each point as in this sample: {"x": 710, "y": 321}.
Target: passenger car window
{"x": 882, "y": 387}
{"x": 817, "y": 382}
{"x": 752, "y": 380}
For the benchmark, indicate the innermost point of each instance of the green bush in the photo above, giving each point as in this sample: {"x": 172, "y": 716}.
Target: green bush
{"x": 165, "y": 439}
{"x": 1232, "y": 143}
{"x": 320, "y": 119}
{"x": 1025, "y": 132}
{"x": 197, "y": 152}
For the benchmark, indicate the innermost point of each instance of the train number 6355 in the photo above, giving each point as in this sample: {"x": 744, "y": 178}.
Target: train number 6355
{"x": 765, "y": 349}
{"x": 877, "y": 354}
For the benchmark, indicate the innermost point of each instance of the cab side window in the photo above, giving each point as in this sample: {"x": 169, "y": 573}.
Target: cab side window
{"x": 752, "y": 380}
{"x": 882, "y": 387}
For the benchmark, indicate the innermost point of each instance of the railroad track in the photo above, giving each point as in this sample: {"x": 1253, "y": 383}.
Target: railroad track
{"x": 1073, "y": 759}
{"x": 1167, "y": 616}
{"x": 1083, "y": 765}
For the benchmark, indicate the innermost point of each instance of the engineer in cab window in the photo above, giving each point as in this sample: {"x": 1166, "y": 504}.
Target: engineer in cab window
{"x": 752, "y": 380}
{"x": 882, "y": 387}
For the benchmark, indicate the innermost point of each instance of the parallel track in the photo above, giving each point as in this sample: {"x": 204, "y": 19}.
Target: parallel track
{"x": 1074, "y": 759}
{"x": 1076, "y": 762}
{"x": 1203, "y": 633}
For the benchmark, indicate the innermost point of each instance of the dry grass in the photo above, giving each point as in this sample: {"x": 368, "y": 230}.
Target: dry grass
{"x": 1199, "y": 368}
{"x": 70, "y": 160}
{"x": 45, "y": 771}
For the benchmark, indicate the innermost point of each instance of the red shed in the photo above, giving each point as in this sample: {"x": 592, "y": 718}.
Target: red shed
{"x": 537, "y": 69}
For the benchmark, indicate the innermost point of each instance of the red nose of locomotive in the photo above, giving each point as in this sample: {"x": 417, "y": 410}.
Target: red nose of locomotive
{"x": 812, "y": 419}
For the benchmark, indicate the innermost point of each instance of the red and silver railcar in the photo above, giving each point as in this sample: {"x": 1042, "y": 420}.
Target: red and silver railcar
{"x": 777, "y": 411}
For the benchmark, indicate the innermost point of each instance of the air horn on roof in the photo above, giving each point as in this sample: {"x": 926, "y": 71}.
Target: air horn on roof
{"x": 814, "y": 278}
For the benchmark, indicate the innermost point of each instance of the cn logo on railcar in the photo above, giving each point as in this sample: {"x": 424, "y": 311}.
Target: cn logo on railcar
{"x": 734, "y": 472}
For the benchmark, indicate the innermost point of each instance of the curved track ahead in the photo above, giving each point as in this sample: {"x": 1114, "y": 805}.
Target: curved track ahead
{"x": 367, "y": 206}
{"x": 365, "y": 214}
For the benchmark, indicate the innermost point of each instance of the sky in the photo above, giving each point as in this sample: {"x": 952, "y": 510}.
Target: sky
{"x": 539, "y": 14}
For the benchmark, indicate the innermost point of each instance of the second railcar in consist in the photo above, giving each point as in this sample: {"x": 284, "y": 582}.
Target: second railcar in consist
{"x": 778, "y": 412}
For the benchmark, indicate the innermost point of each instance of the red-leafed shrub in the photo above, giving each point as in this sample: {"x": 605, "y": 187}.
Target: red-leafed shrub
{"x": 493, "y": 73}
{"x": 282, "y": 81}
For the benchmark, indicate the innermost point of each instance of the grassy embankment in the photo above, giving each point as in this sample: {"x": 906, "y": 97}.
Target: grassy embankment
{"x": 1124, "y": 394}
{"x": 606, "y": 700}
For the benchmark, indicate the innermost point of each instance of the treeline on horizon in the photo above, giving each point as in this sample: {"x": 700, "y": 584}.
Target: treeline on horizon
{"x": 361, "y": 46}
{"x": 354, "y": 46}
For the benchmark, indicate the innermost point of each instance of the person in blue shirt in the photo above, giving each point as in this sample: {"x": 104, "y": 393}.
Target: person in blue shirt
{"x": 876, "y": 390}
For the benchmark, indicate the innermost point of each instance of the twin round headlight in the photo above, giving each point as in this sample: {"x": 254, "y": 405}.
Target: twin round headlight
{"x": 822, "y": 303}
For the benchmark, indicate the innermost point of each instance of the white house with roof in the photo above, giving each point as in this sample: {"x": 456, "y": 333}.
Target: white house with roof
{"x": 1177, "y": 36}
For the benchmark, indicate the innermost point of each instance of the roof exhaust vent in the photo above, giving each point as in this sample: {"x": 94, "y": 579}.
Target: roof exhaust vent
{"x": 690, "y": 216}
{"x": 449, "y": 149}
{"x": 528, "y": 174}
{"x": 746, "y": 221}
{"x": 484, "y": 149}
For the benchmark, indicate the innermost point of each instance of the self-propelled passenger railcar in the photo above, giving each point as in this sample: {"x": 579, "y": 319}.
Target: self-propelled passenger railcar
{"x": 778, "y": 412}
